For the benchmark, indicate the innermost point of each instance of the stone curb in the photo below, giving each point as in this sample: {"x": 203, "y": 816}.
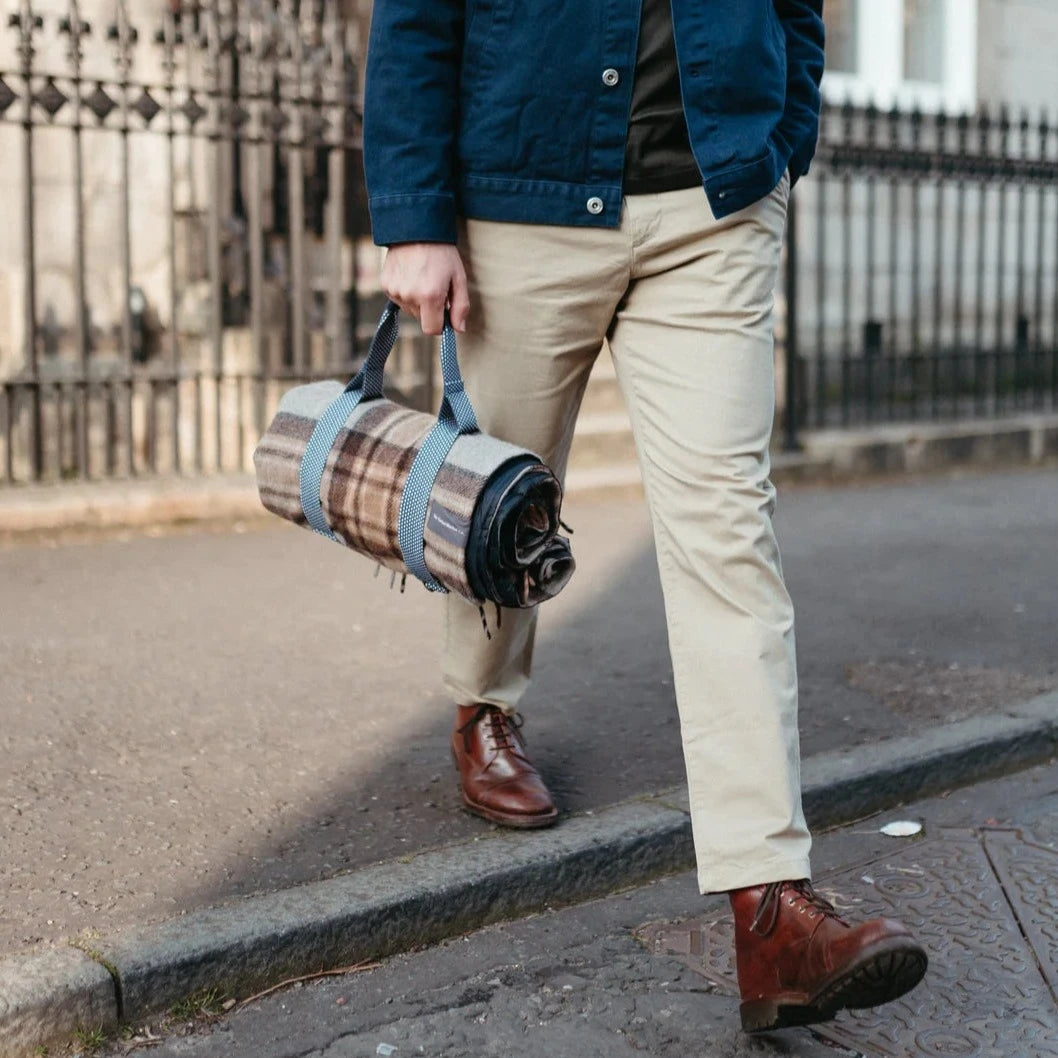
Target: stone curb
{"x": 924, "y": 447}
{"x": 827, "y": 456}
{"x": 404, "y": 904}
{"x": 128, "y": 504}
{"x": 49, "y": 997}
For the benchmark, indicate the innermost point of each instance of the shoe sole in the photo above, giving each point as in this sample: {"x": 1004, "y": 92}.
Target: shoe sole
{"x": 883, "y": 973}
{"x": 506, "y": 819}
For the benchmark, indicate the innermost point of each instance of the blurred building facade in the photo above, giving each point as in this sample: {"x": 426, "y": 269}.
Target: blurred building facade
{"x": 942, "y": 54}
{"x": 926, "y": 235}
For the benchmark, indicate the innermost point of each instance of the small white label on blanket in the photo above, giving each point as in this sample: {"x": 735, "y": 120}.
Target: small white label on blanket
{"x": 448, "y": 525}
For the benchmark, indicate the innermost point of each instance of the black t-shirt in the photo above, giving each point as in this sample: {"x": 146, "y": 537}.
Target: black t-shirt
{"x": 658, "y": 154}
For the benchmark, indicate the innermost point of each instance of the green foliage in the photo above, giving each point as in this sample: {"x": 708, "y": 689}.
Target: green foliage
{"x": 91, "y": 1040}
{"x": 206, "y": 1002}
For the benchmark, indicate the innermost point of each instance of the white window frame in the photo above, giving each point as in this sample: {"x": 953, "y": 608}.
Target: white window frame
{"x": 880, "y": 61}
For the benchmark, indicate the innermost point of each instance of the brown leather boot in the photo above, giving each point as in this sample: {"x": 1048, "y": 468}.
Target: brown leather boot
{"x": 498, "y": 780}
{"x": 799, "y": 962}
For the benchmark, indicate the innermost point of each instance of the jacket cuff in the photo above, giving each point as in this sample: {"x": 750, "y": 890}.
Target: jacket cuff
{"x": 420, "y": 216}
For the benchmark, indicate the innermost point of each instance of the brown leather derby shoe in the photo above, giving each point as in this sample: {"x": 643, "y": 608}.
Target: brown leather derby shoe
{"x": 799, "y": 962}
{"x": 498, "y": 781}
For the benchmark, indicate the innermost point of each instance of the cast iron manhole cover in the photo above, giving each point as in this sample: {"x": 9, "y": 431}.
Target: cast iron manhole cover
{"x": 985, "y": 905}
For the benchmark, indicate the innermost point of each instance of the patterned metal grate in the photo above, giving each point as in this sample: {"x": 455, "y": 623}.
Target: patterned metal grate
{"x": 985, "y": 905}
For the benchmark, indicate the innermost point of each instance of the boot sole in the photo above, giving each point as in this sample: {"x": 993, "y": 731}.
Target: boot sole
{"x": 507, "y": 819}
{"x": 883, "y": 973}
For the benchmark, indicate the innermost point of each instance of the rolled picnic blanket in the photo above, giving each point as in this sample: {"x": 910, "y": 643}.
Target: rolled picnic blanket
{"x": 420, "y": 494}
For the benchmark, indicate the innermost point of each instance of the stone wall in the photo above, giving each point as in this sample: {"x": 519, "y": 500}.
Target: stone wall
{"x": 1015, "y": 55}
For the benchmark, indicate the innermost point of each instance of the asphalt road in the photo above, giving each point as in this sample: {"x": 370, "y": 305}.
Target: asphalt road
{"x": 190, "y": 717}
{"x": 582, "y": 983}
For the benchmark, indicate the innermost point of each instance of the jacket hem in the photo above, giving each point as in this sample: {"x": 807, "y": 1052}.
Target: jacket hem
{"x": 554, "y": 202}
{"x": 739, "y": 187}
{"x": 428, "y": 217}
{"x": 540, "y": 202}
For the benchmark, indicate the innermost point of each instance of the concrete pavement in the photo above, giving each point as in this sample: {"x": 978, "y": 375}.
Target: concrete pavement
{"x": 194, "y": 717}
{"x": 617, "y": 976}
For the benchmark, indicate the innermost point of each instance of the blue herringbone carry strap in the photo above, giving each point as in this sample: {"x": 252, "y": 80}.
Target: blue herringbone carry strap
{"x": 455, "y": 417}
{"x": 366, "y": 384}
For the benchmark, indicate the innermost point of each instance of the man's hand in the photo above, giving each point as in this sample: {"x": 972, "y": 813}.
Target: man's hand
{"x": 423, "y": 277}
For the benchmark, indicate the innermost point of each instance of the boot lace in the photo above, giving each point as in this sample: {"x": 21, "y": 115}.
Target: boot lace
{"x": 502, "y": 730}
{"x": 799, "y": 894}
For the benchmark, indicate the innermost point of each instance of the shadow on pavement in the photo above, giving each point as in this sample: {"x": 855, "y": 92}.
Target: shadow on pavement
{"x": 891, "y": 631}
{"x": 195, "y": 717}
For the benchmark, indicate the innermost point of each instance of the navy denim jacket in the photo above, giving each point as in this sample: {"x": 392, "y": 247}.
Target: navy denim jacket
{"x": 517, "y": 110}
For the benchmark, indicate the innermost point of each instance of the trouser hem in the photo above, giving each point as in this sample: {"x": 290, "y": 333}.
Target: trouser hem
{"x": 466, "y": 701}
{"x": 716, "y": 879}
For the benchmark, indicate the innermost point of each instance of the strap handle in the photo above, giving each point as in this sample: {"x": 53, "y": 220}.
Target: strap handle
{"x": 366, "y": 384}
{"x": 455, "y": 417}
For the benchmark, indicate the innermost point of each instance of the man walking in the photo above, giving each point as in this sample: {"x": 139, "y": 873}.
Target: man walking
{"x": 560, "y": 173}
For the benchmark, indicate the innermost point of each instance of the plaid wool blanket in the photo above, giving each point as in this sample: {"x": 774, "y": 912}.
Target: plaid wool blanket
{"x": 492, "y": 523}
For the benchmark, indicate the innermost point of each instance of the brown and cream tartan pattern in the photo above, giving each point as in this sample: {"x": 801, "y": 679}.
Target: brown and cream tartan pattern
{"x": 365, "y": 473}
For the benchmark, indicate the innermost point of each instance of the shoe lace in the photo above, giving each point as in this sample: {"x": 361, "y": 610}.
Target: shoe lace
{"x": 503, "y": 727}
{"x": 806, "y": 897}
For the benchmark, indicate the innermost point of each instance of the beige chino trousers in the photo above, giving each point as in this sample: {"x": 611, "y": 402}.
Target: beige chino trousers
{"x": 685, "y": 302}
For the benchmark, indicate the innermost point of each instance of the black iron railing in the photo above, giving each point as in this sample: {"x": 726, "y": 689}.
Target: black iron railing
{"x": 189, "y": 201}
{"x": 922, "y": 278}
{"x": 921, "y": 273}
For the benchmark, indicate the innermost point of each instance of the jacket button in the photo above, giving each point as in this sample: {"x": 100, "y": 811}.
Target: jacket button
{"x": 595, "y": 205}
{"x": 610, "y": 77}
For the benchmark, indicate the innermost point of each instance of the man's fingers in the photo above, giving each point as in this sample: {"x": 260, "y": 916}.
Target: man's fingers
{"x": 421, "y": 278}
{"x": 459, "y": 305}
{"x": 402, "y": 302}
{"x": 432, "y": 315}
